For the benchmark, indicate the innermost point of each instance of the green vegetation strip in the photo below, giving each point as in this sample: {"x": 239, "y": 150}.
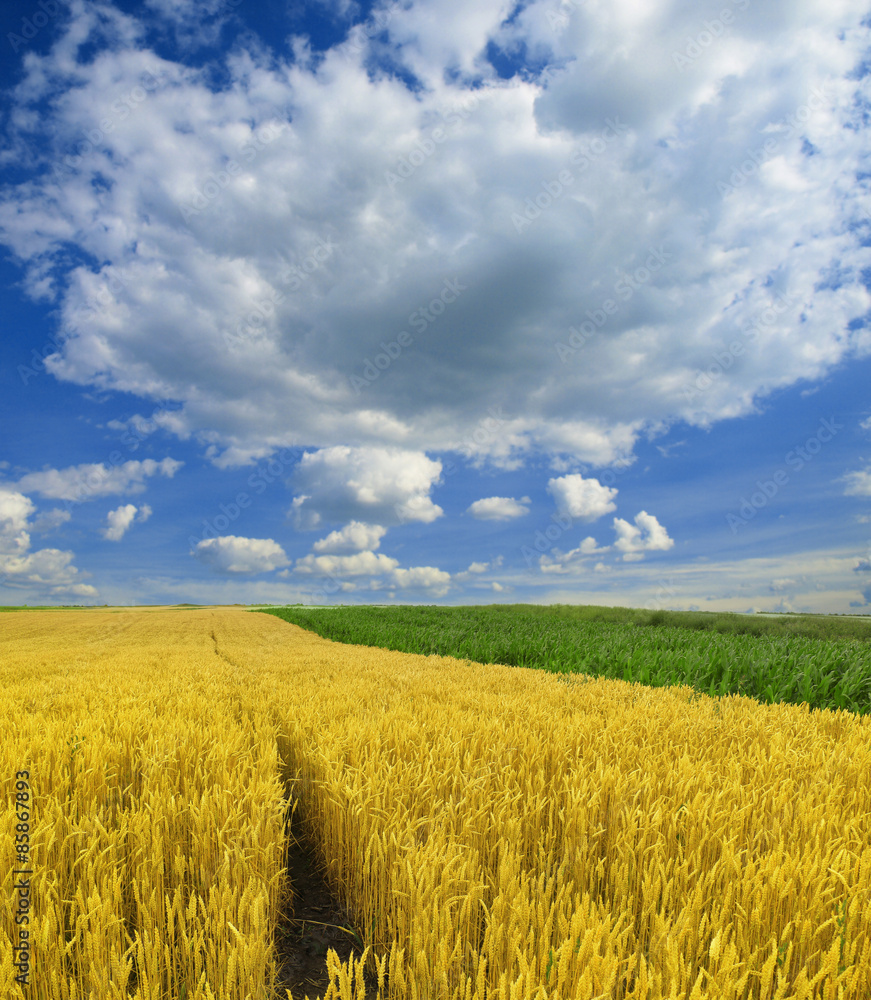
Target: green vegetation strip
{"x": 772, "y": 663}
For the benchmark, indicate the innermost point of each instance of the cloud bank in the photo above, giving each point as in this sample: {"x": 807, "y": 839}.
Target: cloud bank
{"x": 49, "y": 571}
{"x": 481, "y": 243}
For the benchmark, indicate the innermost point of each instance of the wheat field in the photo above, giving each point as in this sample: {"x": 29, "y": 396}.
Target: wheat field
{"x": 499, "y": 832}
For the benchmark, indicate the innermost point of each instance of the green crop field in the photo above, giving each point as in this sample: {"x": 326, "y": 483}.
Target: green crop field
{"x": 821, "y": 662}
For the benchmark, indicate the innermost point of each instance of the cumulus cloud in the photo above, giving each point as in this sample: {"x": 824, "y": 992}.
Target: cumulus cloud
{"x": 783, "y": 605}
{"x": 120, "y": 519}
{"x": 15, "y": 510}
{"x": 194, "y": 23}
{"x": 354, "y": 537}
{"x": 87, "y": 482}
{"x": 643, "y": 300}
{"x": 498, "y": 508}
{"x": 383, "y": 571}
{"x": 575, "y": 559}
{"x": 232, "y": 554}
{"x": 385, "y": 486}
{"x": 586, "y": 499}
{"x": 858, "y": 483}
{"x": 45, "y": 571}
{"x": 435, "y": 581}
{"x": 646, "y": 535}
{"x": 477, "y": 567}
{"x": 50, "y": 520}
{"x": 358, "y": 564}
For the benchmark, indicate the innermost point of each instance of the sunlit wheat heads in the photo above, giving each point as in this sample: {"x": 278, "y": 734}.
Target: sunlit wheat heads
{"x": 496, "y": 832}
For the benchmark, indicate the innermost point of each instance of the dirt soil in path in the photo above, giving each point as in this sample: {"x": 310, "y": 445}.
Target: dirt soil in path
{"x": 314, "y": 921}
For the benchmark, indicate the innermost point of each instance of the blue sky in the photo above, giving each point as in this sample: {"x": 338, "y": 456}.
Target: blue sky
{"x": 564, "y": 301}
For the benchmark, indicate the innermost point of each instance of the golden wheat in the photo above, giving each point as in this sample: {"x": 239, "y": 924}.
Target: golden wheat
{"x": 499, "y": 833}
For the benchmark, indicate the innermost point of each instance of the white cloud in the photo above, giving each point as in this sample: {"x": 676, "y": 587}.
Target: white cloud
{"x": 477, "y": 568}
{"x": 434, "y": 581}
{"x": 784, "y": 605}
{"x": 429, "y": 578}
{"x": 232, "y": 554}
{"x": 195, "y": 22}
{"x": 672, "y": 179}
{"x": 586, "y": 499}
{"x": 86, "y": 482}
{"x": 372, "y": 485}
{"x": 45, "y": 571}
{"x": 120, "y": 519}
{"x": 50, "y": 520}
{"x": 498, "y": 508}
{"x": 354, "y": 537}
{"x": 858, "y": 483}
{"x": 358, "y": 564}
{"x": 569, "y": 562}
{"x": 646, "y": 535}
{"x": 734, "y": 584}
{"x": 15, "y": 510}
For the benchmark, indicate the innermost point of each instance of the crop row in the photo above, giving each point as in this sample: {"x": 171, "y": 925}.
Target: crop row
{"x": 497, "y": 834}
{"x": 820, "y": 673}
